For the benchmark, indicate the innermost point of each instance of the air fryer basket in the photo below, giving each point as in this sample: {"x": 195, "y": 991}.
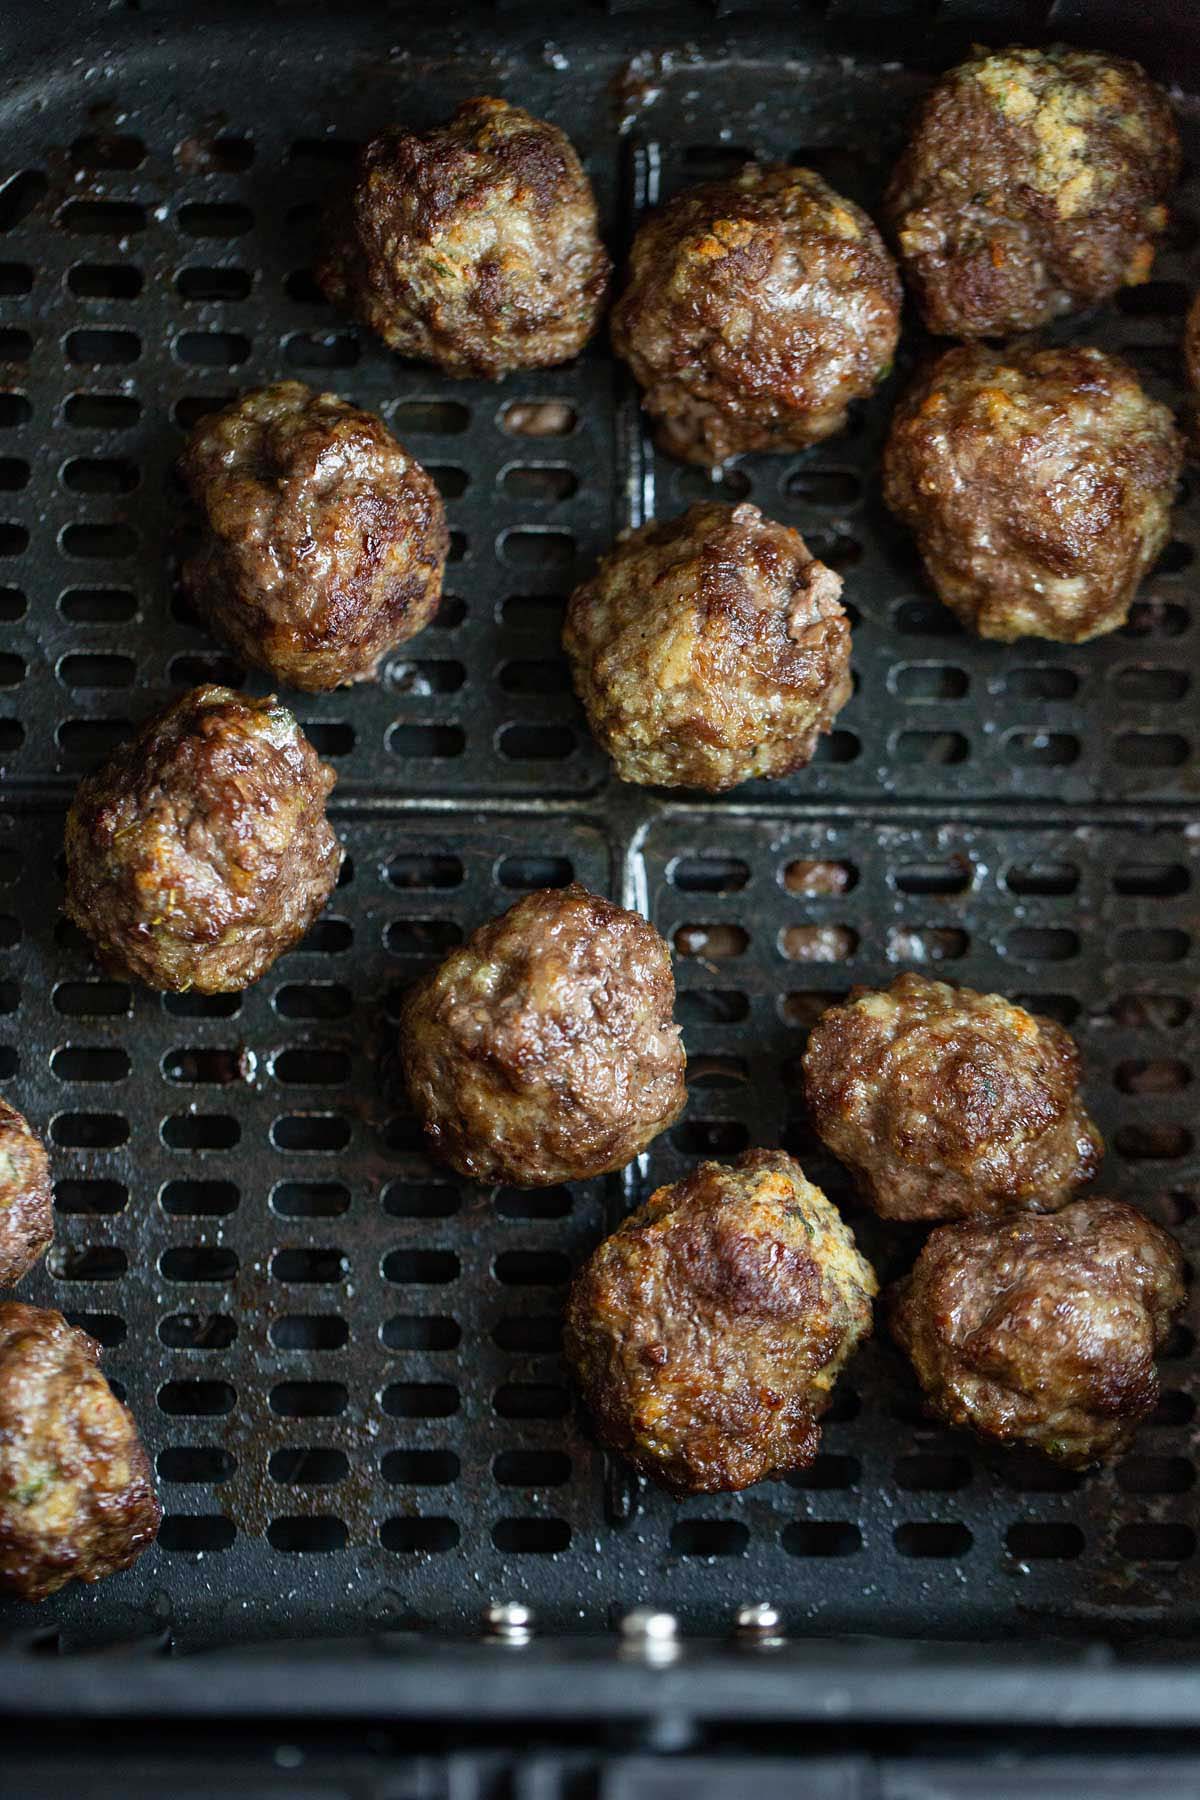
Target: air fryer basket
{"x": 346, "y": 1363}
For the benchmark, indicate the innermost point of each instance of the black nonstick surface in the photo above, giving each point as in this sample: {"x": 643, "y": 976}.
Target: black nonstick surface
{"x": 345, "y": 1363}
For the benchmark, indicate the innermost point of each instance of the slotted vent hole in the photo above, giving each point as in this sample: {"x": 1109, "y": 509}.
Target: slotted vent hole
{"x": 933, "y": 1540}
{"x": 207, "y": 1464}
{"x": 819, "y": 878}
{"x": 421, "y": 1200}
{"x": 427, "y": 1535}
{"x": 309, "y": 1399}
{"x": 310, "y": 1199}
{"x": 421, "y": 1468}
{"x": 709, "y": 1537}
{"x": 710, "y": 874}
{"x": 308, "y": 1465}
{"x": 197, "y": 1331}
{"x": 420, "y": 1332}
{"x": 823, "y": 1538}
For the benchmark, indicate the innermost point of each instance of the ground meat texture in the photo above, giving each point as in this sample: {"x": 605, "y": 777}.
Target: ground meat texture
{"x": 709, "y": 649}
{"x": 26, "y": 1201}
{"x": 474, "y": 246}
{"x": 1043, "y": 1331}
{"x": 201, "y": 851}
{"x": 1039, "y": 485}
{"x": 324, "y": 542}
{"x": 756, "y": 310}
{"x": 1032, "y": 186}
{"x": 708, "y": 1331}
{"x": 544, "y": 1050}
{"x": 945, "y": 1103}
{"x": 77, "y": 1498}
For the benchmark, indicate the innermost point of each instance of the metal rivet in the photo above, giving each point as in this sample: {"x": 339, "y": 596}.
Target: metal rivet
{"x": 759, "y": 1625}
{"x": 508, "y": 1622}
{"x": 650, "y": 1635}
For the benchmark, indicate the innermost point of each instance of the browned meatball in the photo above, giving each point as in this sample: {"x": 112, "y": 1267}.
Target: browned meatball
{"x": 1039, "y": 484}
{"x": 544, "y": 1050}
{"x": 708, "y": 1331}
{"x": 757, "y": 309}
{"x": 473, "y": 246}
{"x": 201, "y": 851}
{"x": 709, "y": 649}
{"x": 1032, "y": 185}
{"x": 1191, "y": 356}
{"x": 1043, "y": 1331}
{"x": 26, "y": 1203}
{"x": 945, "y": 1102}
{"x": 324, "y": 542}
{"x": 76, "y": 1493}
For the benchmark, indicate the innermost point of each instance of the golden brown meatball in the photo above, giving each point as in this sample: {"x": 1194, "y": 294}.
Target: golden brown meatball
{"x": 26, "y": 1199}
{"x": 324, "y": 542}
{"x": 1039, "y": 485}
{"x": 200, "y": 851}
{"x": 473, "y": 246}
{"x": 944, "y": 1102}
{"x": 1043, "y": 1331}
{"x": 76, "y": 1494}
{"x": 708, "y": 1331}
{"x": 1032, "y": 186}
{"x": 709, "y": 649}
{"x": 544, "y": 1050}
{"x": 756, "y": 310}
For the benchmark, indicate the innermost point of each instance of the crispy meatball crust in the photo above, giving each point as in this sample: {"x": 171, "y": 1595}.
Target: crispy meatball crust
{"x": 1032, "y": 185}
{"x": 324, "y": 542}
{"x": 474, "y": 246}
{"x": 1039, "y": 485}
{"x": 200, "y": 851}
{"x": 544, "y": 1049}
{"x": 709, "y": 649}
{"x": 26, "y": 1197}
{"x": 756, "y": 310}
{"x": 1043, "y": 1331}
{"x": 708, "y": 1331}
{"x": 946, "y": 1103}
{"x": 76, "y": 1493}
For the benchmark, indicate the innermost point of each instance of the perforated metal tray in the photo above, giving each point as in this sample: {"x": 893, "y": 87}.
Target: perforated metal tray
{"x": 346, "y": 1364}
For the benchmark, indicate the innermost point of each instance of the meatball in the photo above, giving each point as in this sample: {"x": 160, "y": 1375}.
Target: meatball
{"x": 708, "y": 1331}
{"x": 26, "y": 1204}
{"x": 76, "y": 1493}
{"x": 200, "y": 851}
{"x": 324, "y": 541}
{"x": 1032, "y": 186}
{"x": 757, "y": 309}
{"x": 944, "y": 1102}
{"x": 473, "y": 246}
{"x": 1039, "y": 484}
{"x": 709, "y": 649}
{"x": 1043, "y": 1331}
{"x": 544, "y": 1050}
